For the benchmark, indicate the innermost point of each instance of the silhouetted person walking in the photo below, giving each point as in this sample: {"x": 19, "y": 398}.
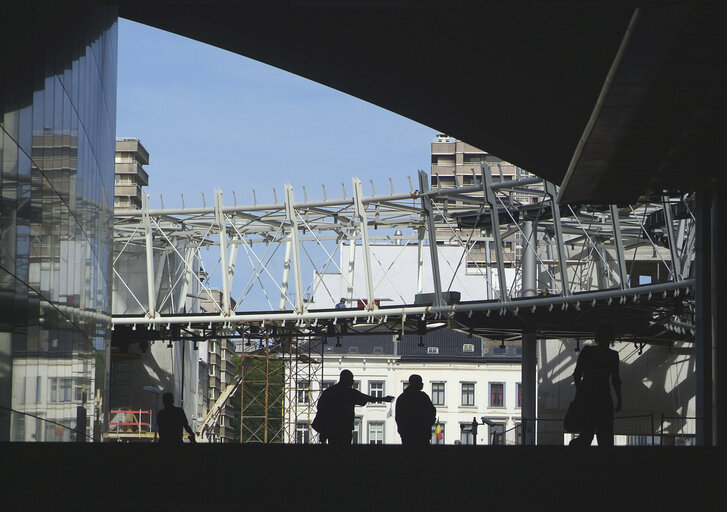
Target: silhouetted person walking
{"x": 596, "y": 371}
{"x": 335, "y": 416}
{"x": 171, "y": 421}
{"x": 415, "y": 414}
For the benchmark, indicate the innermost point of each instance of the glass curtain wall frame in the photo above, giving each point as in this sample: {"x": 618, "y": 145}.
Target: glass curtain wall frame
{"x": 57, "y": 133}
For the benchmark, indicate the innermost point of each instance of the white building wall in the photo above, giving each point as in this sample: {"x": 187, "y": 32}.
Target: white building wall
{"x": 395, "y": 275}
{"x": 394, "y": 373}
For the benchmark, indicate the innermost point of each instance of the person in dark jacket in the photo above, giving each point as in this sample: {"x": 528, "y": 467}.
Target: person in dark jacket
{"x": 415, "y": 414}
{"x": 335, "y": 416}
{"x": 171, "y": 421}
{"x": 596, "y": 371}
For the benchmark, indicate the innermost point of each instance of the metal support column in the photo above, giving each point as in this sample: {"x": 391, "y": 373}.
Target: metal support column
{"x": 558, "y": 232}
{"x": 189, "y": 252}
{"x": 432, "y": 230}
{"x": 149, "y": 246}
{"x": 529, "y": 370}
{"x": 286, "y": 275}
{"x": 491, "y": 200}
{"x": 420, "y": 260}
{"x": 530, "y": 265}
{"x": 669, "y": 227}
{"x": 222, "y": 231}
{"x": 351, "y": 269}
{"x": 619, "y": 246}
{"x": 360, "y": 211}
{"x": 292, "y": 218}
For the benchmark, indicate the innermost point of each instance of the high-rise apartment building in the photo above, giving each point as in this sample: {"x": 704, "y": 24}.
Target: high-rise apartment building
{"x": 130, "y": 176}
{"x": 458, "y": 164}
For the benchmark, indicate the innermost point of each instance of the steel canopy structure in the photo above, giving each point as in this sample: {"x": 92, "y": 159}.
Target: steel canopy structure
{"x": 580, "y": 255}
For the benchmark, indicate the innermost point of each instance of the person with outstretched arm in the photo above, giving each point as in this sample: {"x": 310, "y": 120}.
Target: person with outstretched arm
{"x": 336, "y": 410}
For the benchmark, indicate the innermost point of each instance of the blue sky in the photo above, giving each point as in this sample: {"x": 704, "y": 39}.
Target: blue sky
{"x": 210, "y": 118}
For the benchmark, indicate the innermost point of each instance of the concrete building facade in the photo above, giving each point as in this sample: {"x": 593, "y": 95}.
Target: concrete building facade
{"x": 130, "y": 175}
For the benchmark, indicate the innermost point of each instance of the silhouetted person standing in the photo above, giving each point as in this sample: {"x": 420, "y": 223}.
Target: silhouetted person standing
{"x": 171, "y": 421}
{"x": 596, "y": 371}
{"x": 415, "y": 414}
{"x": 335, "y": 416}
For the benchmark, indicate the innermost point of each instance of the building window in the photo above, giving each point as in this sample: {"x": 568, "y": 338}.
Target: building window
{"x": 497, "y": 433}
{"x": 376, "y": 432}
{"x": 465, "y": 433}
{"x": 302, "y": 433}
{"x": 376, "y": 388}
{"x": 432, "y": 350}
{"x": 497, "y": 394}
{"x": 357, "y": 385}
{"x": 302, "y": 392}
{"x": 438, "y": 433}
{"x": 468, "y": 394}
{"x": 356, "y": 435}
{"x": 519, "y": 399}
{"x": 61, "y": 389}
{"x": 438, "y": 393}
{"x": 468, "y": 347}
{"x": 327, "y": 384}
{"x": 518, "y": 433}
{"x": 378, "y": 350}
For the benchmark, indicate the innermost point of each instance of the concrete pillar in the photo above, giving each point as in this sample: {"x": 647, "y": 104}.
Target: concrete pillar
{"x": 529, "y": 356}
{"x": 718, "y": 280}
{"x": 703, "y": 341}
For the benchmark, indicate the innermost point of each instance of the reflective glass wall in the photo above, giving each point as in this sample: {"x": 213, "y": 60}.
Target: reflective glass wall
{"x": 57, "y": 131}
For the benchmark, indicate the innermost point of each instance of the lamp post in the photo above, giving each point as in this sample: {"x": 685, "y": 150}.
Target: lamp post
{"x": 157, "y": 392}
{"x": 472, "y": 427}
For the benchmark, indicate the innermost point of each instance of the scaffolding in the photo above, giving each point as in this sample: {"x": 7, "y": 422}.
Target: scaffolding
{"x": 280, "y": 377}
{"x": 304, "y": 364}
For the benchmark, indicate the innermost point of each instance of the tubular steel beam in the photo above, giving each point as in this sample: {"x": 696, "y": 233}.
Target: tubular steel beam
{"x": 292, "y": 218}
{"x": 618, "y": 242}
{"x": 149, "y": 252}
{"x": 432, "y": 231}
{"x": 491, "y": 200}
{"x": 558, "y": 232}
{"x": 360, "y": 210}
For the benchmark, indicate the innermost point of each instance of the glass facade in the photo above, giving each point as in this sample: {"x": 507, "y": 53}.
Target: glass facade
{"x": 57, "y": 136}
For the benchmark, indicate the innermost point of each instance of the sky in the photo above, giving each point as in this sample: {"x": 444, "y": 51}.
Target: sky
{"x": 214, "y": 119}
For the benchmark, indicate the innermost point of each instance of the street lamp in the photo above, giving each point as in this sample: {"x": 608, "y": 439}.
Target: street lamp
{"x": 157, "y": 392}
{"x": 472, "y": 427}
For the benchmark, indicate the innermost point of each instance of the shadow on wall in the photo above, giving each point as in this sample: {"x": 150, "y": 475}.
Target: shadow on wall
{"x": 657, "y": 380}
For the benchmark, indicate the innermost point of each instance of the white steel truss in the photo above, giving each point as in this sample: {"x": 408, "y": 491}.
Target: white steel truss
{"x": 582, "y": 253}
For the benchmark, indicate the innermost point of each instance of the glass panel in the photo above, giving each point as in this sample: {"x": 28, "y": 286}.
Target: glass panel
{"x": 57, "y": 145}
